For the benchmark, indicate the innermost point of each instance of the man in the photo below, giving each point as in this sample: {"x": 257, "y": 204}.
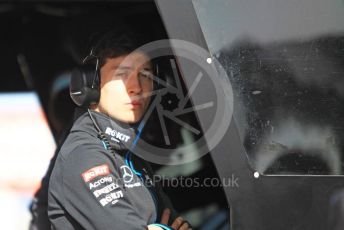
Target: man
{"x": 97, "y": 183}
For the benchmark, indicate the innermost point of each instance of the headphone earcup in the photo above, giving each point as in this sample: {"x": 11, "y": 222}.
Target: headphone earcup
{"x": 84, "y": 86}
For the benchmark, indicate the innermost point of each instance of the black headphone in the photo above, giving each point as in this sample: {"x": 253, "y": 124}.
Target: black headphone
{"x": 85, "y": 82}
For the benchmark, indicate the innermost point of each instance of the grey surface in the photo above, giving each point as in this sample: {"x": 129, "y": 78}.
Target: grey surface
{"x": 268, "y": 202}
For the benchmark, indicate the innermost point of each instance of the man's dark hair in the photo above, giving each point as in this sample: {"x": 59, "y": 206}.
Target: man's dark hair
{"x": 114, "y": 42}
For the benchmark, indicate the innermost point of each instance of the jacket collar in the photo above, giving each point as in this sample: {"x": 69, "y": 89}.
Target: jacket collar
{"x": 120, "y": 135}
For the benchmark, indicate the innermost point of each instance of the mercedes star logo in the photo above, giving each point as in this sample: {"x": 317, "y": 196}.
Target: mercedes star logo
{"x": 128, "y": 175}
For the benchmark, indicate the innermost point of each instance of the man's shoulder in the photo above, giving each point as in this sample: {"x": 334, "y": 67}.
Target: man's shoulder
{"x": 79, "y": 153}
{"x": 80, "y": 142}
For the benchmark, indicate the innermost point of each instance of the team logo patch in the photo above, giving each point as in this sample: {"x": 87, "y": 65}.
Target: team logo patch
{"x": 116, "y": 135}
{"x": 103, "y": 180}
{"x": 105, "y": 190}
{"x": 111, "y": 198}
{"x": 128, "y": 175}
{"x": 101, "y": 170}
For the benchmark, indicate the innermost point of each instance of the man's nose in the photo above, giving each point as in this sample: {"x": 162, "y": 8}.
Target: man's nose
{"x": 133, "y": 83}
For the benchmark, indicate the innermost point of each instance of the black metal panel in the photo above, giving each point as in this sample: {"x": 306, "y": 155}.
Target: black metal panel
{"x": 266, "y": 202}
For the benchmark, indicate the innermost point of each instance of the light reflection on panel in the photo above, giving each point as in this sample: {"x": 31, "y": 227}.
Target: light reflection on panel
{"x": 26, "y": 146}
{"x": 284, "y": 59}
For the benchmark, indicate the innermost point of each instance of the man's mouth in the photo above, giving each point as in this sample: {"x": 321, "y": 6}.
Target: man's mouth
{"x": 135, "y": 103}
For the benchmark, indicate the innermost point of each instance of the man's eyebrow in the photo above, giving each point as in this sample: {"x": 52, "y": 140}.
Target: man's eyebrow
{"x": 130, "y": 68}
{"x": 122, "y": 67}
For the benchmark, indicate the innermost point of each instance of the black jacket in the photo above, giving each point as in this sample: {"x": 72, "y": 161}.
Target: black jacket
{"x": 92, "y": 187}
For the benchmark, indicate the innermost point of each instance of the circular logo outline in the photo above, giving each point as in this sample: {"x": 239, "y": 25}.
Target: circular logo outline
{"x": 224, "y": 95}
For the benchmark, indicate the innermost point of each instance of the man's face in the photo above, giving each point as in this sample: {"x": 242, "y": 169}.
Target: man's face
{"x": 126, "y": 84}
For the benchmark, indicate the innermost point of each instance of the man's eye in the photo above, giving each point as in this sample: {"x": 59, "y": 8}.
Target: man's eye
{"x": 121, "y": 74}
{"x": 147, "y": 75}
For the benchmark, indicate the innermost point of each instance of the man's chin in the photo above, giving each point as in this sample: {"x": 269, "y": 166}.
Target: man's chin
{"x": 133, "y": 119}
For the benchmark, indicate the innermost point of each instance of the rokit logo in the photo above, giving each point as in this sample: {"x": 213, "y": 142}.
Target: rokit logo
{"x": 100, "y": 181}
{"x": 118, "y": 135}
{"x": 113, "y": 198}
{"x": 101, "y": 170}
